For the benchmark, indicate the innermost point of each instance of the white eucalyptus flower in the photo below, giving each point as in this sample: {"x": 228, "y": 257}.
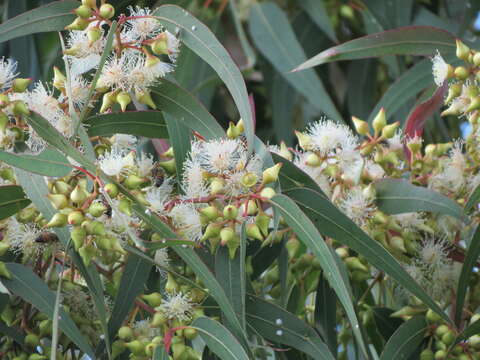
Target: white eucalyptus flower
{"x": 177, "y": 306}
{"x": 440, "y": 69}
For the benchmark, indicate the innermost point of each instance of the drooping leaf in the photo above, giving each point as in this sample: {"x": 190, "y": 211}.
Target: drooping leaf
{"x": 201, "y": 40}
{"x": 180, "y": 138}
{"x": 308, "y": 234}
{"x": 51, "y": 17}
{"x": 325, "y": 313}
{"x": 318, "y": 13}
{"x": 32, "y": 289}
{"x": 331, "y": 222}
{"x": 410, "y": 40}
{"x": 131, "y": 285}
{"x": 278, "y": 325}
{"x": 423, "y": 111}
{"x": 219, "y": 340}
{"x": 184, "y": 107}
{"x": 470, "y": 330}
{"x": 405, "y": 340}
{"x": 139, "y": 123}
{"x": 398, "y": 196}
{"x": 386, "y": 325}
{"x": 48, "y": 163}
{"x": 160, "y": 353}
{"x": 274, "y": 37}
{"x": 12, "y": 200}
{"x": 471, "y": 258}
{"x": 12, "y": 333}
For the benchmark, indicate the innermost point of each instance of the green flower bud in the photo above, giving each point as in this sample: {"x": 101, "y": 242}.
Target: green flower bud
{"x": 232, "y": 131}
{"x": 433, "y": 317}
{"x": 171, "y": 285}
{"x": 57, "y": 220}
{"x": 232, "y": 244}
{"x": 118, "y": 347}
{"x": 20, "y": 84}
{"x": 476, "y": 59}
{"x": 78, "y": 195}
{"x": 210, "y": 212}
{"x": 62, "y": 187}
{"x": 474, "y": 104}
{"x": 90, "y": 3}
{"x": 241, "y": 125}
{"x": 125, "y": 333}
{"x": 293, "y": 246}
{"x": 353, "y": 263}
{"x": 169, "y": 166}
{"x": 397, "y": 243}
{"x": 313, "y": 160}
{"x": 253, "y": 231}
{"x": 263, "y": 221}
{"x": 108, "y": 100}
{"x": 227, "y": 234}
{"x": 125, "y": 206}
{"x": 267, "y": 192}
{"x": 159, "y": 319}
{"x": 230, "y": 212}
{"x": 169, "y": 153}
{"x": 59, "y": 201}
{"x": 160, "y": 46}
{"x": 448, "y": 338}
{"x": 389, "y": 130}
{"x": 136, "y": 347}
{"x": 78, "y": 24}
{"x": 94, "y": 35}
{"x": 216, "y": 186}
{"x": 379, "y": 121}
{"x": 284, "y": 152}
{"x": 45, "y": 327}
{"x": 178, "y": 350}
{"x": 20, "y": 108}
{"x": 133, "y": 181}
{"x": 78, "y": 235}
{"x": 4, "y": 246}
{"x": 212, "y": 230}
{"x": 32, "y": 340}
{"x": 75, "y": 217}
{"x": 96, "y": 228}
{"x": 87, "y": 253}
{"x": 154, "y": 299}
{"x": 112, "y": 190}
{"x": 360, "y": 126}
{"x": 454, "y": 91}
{"x": 190, "y": 333}
{"x": 123, "y": 98}
{"x": 106, "y": 11}
{"x": 97, "y": 209}
{"x": 441, "y": 330}
{"x": 249, "y": 207}
{"x": 463, "y": 51}
{"x": 304, "y": 141}
{"x": 249, "y": 180}
{"x": 461, "y": 73}
{"x": 145, "y": 98}
{"x": 342, "y": 252}
{"x": 426, "y": 354}
{"x": 271, "y": 174}
{"x": 407, "y": 311}
{"x": 83, "y": 11}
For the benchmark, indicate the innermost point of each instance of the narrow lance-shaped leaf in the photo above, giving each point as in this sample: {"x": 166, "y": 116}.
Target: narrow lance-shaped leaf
{"x": 272, "y": 33}
{"x": 399, "y": 196}
{"x": 318, "y": 13}
{"x": 48, "y": 163}
{"x": 32, "y": 289}
{"x": 180, "y": 138}
{"x": 331, "y": 222}
{"x": 283, "y": 327}
{"x": 308, "y": 234}
{"x": 219, "y": 340}
{"x": 12, "y": 200}
{"x": 51, "y": 17}
{"x": 184, "y": 107}
{"x": 203, "y": 42}
{"x": 471, "y": 257}
{"x": 139, "y": 123}
{"x": 410, "y": 40}
{"x": 405, "y": 340}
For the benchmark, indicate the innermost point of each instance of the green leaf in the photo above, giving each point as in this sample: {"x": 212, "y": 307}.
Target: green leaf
{"x": 307, "y": 233}
{"x": 471, "y": 257}
{"x": 180, "y": 138}
{"x": 160, "y": 353}
{"x": 276, "y": 324}
{"x": 131, "y": 285}
{"x": 405, "y": 340}
{"x": 230, "y": 274}
{"x": 203, "y": 42}
{"x": 219, "y": 340}
{"x": 12, "y": 333}
{"x": 362, "y": 86}
{"x": 386, "y": 325}
{"x": 32, "y": 289}
{"x": 325, "y": 313}
{"x": 12, "y": 200}
{"x": 273, "y": 35}
{"x": 331, "y": 222}
{"x": 184, "y": 107}
{"x": 473, "y": 199}
{"x": 399, "y": 196}
{"x": 410, "y": 40}
{"x": 52, "y": 17}
{"x": 139, "y": 123}
{"x": 48, "y": 163}
{"x": 283, "y": 101}
{"x": 470, "y": 330}
{"x": 318, "y": 13}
